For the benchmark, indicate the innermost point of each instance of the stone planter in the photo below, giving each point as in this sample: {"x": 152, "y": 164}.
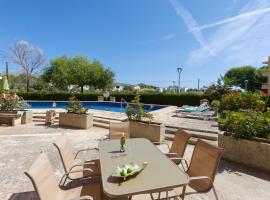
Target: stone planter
{"x": 11, "y": 118}
{"x": 81, "y": 121}
{"x": 155, "y": 132}
{"x": 26, "y": 117}
{"x": 251, "y": 153}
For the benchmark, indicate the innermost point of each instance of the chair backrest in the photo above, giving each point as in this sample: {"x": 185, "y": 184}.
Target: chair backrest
{"x": 180, "y": 143}
{"x": 118, "y": 128}
{"x": 204, "y": 162}
{"x": 100, "y": 98}
{"x": 43, "y": 179}
{"x": 65, "y": 151}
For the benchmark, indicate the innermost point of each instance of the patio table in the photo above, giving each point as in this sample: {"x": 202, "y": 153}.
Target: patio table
{"x": 160, "y": 173}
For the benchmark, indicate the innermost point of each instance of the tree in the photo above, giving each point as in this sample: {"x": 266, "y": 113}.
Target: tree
{"x": 236, "y": 77}
{"x": 78, "y": 71}
{"x": 30, "y": 58}
{"x": 103, "y": 78}
{"x": 58, "y": 74}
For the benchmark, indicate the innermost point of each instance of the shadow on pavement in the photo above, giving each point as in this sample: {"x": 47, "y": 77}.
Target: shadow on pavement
{"x": 239, "y": 169}
{"x": 32, "y": 195}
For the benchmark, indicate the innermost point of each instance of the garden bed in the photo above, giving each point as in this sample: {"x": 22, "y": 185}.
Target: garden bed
{"x": 254, "y": 152}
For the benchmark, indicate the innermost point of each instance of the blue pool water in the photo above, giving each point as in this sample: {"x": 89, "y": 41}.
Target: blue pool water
{"x": 108, "y": 106}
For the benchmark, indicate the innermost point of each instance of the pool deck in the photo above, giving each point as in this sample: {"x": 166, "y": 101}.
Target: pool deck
{"x": 20, "y": 146}
{"x": 164, "y": 115}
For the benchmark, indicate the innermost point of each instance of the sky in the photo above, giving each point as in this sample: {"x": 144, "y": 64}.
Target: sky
{"x": 145, "y": 40}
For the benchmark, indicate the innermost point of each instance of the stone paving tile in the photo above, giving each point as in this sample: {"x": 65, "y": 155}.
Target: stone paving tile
{"x": 18, "y": 151}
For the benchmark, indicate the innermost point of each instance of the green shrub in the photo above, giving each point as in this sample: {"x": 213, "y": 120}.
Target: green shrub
{"x": 242, "y": 100}
{"x": 191, "y": 99}
{"x": 136, "y": 111}
{"x": 75, "y": 106}
{"x": 204, "y": 101}
{"x": 246, "y": 124}
{"x": 10, "y": 101}
{"x": 215, "y": 103}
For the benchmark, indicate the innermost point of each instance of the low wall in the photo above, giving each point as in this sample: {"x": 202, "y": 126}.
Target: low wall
{"x": 83, "y": 121}
{"x": 255, "y": 154}
{"x": 151, "y": 131}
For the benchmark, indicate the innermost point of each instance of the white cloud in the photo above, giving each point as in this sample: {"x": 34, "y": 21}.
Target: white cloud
{"x": 237, "y": 17}
{"x": 237, "y": 40}
{"x": 189, "y": 21}
{"x": 165, "y": 37}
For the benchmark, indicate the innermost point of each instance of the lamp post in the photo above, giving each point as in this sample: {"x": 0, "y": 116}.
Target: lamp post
{"x": 246, "y": 83}
{"x": 174, "y": 87}
{"x": 179, "y": 70}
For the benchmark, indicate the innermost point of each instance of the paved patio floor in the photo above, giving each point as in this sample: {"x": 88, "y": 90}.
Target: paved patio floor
{"x": 19, "y": 146}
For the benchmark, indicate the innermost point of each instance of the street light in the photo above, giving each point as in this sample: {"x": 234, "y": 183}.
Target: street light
{"x": 173, "y": 87}
{"x": 246, "y": 82}
{"x": 179, "y": 70}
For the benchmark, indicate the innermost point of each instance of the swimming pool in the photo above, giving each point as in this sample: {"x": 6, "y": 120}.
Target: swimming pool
{"x": 108, "y": 106}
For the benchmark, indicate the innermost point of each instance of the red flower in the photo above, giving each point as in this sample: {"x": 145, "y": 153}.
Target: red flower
{"x": 263, "y": 94}
{"x": 235, "y": 92}
{"x": 244, "y": 104}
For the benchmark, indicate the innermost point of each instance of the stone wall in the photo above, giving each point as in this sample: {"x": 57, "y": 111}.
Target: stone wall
{"x": 250, "y": 153}
{"x": 83, "y": 121}
{"x": 151, "y": 131}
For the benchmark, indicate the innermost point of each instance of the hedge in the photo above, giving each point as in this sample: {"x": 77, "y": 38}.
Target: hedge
{"x": 155, "y": 98}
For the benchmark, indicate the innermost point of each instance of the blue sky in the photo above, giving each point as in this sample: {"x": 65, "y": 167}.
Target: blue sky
{"x": 145, "y": 40}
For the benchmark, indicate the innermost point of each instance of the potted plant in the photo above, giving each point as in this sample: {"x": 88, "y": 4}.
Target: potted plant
{"x": 140, "y": 122}
{"x": 246, "y": 138}
{"x": 215, "y": 104}
{"x": 12, "y": 109}
{"x": 76, "y": 115}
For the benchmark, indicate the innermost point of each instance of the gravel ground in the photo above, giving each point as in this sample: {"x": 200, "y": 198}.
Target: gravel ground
{"x": 21, "y": 146}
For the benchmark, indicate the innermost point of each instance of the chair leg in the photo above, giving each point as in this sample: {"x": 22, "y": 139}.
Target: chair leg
{"x": 151, "y": 195}
{"x": 183, "y": 192}
{"x": 130, "y": 198}
{"x": 215, "y": 192}
{"x": 167, "y": 195}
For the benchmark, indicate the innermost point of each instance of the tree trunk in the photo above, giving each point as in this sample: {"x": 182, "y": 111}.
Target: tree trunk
{"x": 28, "y": 85}
{"x": 81, "y": 89}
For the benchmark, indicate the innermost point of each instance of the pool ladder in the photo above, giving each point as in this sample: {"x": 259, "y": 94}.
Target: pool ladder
{"x": 123, "y": 100}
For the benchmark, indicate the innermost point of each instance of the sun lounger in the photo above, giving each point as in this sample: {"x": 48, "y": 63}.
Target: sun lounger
{"x": 191, "y": 109}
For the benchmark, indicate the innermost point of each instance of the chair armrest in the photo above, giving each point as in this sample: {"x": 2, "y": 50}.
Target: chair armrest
{"x": 65, "y": 175}
{"x": 159, "y": 143}
{"x": 181, "y": 159}
{"x": 168, "y": 154}
{"x": 86, "y": 198}
{"x": 200, "y": 178}
{"x": 80, "y": 170}
{"x": 88, "y": 149}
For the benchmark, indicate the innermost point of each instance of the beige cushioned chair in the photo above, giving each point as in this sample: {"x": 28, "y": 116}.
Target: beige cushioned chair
{"x": 117, "y": 129}
{"x": 202, "y": 169}
{"x": 203, "y": 166}
{"x": 45, "y": 184}
{"x": 178, "y": 147}
{"x": 80, "y": 169}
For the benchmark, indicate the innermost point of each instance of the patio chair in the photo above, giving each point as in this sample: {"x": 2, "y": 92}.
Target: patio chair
{"x": 113, "y": 99}
{"x": 117, "y": 129}
{"x": 100, "y": 98}
{"x": 45, "y": 184}
{"x": 202, "y": 169}
{"x": 75, "y": 168}
{"x": 178, "y": 147}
